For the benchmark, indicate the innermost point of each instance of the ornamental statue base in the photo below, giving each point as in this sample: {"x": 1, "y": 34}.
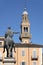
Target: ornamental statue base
{"x": 9, "y": 61}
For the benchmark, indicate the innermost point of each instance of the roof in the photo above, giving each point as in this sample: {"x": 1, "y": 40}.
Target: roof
{"x": 29, "y": 45}
{"x": 2, "y": 38}
{"x": 24, "y": 44}
{"x": 25, "y": 12}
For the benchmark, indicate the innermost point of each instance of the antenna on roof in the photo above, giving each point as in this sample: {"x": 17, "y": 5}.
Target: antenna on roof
{"x": 25, "y": 4}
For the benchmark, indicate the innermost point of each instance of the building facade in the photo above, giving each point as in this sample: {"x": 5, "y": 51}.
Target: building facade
{"x": 26, "y": 52}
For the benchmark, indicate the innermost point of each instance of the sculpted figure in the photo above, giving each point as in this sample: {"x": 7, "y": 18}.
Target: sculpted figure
{"x": 8, "y": 42}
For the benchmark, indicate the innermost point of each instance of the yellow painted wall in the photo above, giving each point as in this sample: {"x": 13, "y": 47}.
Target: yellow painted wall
{"x": 28, "y": 55}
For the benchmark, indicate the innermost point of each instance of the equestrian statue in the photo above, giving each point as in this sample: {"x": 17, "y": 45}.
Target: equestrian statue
{"x": 8, "y": 42}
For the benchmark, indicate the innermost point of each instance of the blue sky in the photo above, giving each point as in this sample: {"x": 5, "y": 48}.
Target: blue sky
{"x": 11, "y": 15}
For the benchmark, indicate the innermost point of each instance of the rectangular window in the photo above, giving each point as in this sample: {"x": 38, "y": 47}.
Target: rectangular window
{"x": 0, "y": 43}
{"x": 0, "y": 54}
{"x": 23, "y": 53}
{"x": 34, "y": 63}
{"x": 23, "y": 63}
{"x": 34, "y": 54}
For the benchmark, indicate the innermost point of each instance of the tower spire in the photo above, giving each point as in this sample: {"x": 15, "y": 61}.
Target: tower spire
{"x": 25, "y": 4}
{"x": 25, "y": 28}
{"x": 24, "y": 9}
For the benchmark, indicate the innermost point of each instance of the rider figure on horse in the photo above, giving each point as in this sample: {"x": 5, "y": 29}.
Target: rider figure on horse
{"x": 8, "y": 42}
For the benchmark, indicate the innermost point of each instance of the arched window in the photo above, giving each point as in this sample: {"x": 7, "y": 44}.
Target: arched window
{"x": 25, "y": 18}
{"x": 25, "y": 29}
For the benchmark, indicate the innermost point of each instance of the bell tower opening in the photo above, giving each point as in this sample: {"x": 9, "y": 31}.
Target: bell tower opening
{"x": 25, "y": 28}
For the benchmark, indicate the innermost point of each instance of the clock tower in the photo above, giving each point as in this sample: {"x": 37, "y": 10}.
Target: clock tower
{"x": 25, "y": 28}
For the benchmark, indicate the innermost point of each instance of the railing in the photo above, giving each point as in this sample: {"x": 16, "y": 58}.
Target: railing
{"x": 34, "y": 58}
{"x": 26, "y": 35}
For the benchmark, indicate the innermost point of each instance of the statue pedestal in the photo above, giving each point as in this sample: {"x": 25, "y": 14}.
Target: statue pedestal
{"x": 9, "y": 61}
{"x": 0, "y": 61}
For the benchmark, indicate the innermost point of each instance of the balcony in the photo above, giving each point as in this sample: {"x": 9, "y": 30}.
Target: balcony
{"x": 25, "y": 35}
{"x": 34, "y": 58}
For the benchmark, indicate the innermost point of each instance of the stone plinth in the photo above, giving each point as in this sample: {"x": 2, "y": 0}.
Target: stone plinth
{"x": 9, "y": 61}
{"x": 0, "y": 61}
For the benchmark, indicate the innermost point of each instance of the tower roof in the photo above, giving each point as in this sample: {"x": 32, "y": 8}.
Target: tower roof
{"x": 25, "y": 11}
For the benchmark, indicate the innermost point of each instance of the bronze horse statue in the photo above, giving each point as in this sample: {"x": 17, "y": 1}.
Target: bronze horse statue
{"x": 8, "y": 42}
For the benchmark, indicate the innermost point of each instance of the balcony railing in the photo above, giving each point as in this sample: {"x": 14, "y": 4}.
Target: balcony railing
{"x": 25, "y": 35}
{"x": 34, "y": 58}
